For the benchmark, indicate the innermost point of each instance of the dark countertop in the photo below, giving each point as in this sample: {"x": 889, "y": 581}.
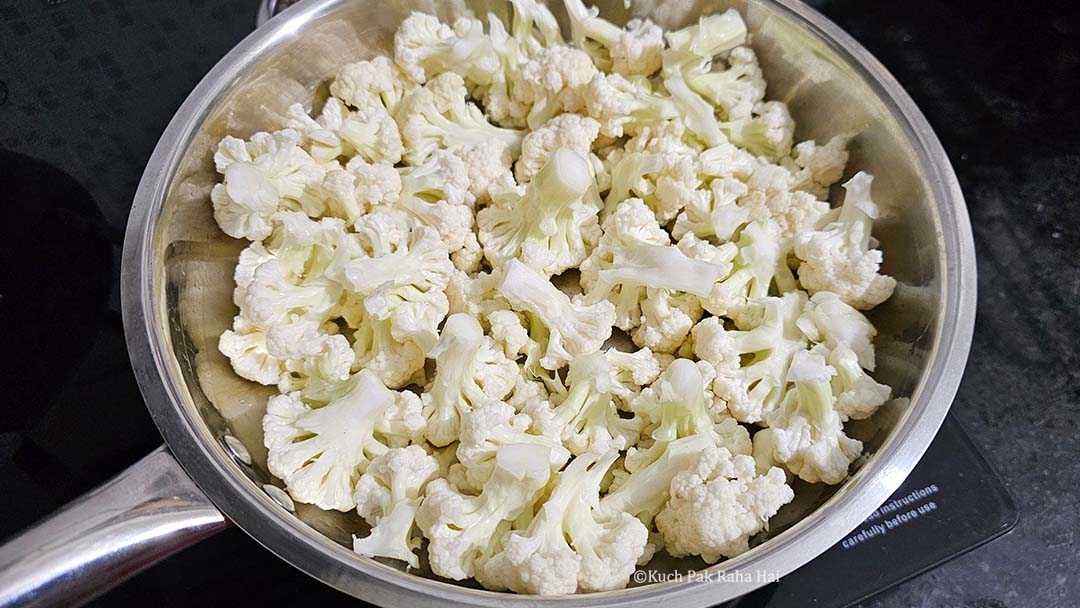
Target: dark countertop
{"x": 999, "y": 83}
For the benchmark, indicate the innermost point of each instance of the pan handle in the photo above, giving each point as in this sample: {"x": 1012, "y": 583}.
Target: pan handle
{"x": 141, "y": 516}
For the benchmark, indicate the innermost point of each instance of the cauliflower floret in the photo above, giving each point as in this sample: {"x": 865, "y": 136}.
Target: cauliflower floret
{"x": 572, "y": 328}
{"x": 554, "y": 81}
{"x": 633, "y": 51}
{"x": 572, "y": 131}
{"x": 373, "y": 135}
{"x": 320, "y": 135}
{"x": 644, "y": 492}
{"x": 636, "y": 268}
{"x": 352, "y": 192}
{"x": 806, "y": 434}
{"x": 718, "y": 504}
{"x": 828, "y": 320}
{"x": 838, "y": 257}
{"x": 396, "y": 362}
{"x": 437, "y": 116}
{"x": 249, "y": 351}
{"x": 425, "y": 47}
{"x": 816, "y": 168}
{"x": 586, "y": 418}
{"x": 545, "y": 224}
{"x": 269, "y": 173}
{"x": 462, "y": 530}
{"x": 488, "y": 427}
{"x": 718, "y": 215}
{"x": 375, "y": 82}
{"x": 691, "y": 51}
{"x": 387, "y": 497}
{"x": 658, "y": 167}
{"x": 751, "y": 366}
{"x": 569, "y": 545}
{"x": 758, "y": 265}
{"x": 321, "y": 440}
{"x": 725, "y": 159}
{"x": 272, "y": 301}
{"x": 858, "y": 395}
{"x": 402, "y": 279}
{"x": 435, "y": 194}
{"x": 469, "y": 371}
{"x": 735, "y": 90}
{"x": 486, "y": 164}
{"x": 766, "y": 131}
{"x": 633, "y": 371}
{"x": 769, "y": 198}
{"x": 623, "y": 106}
{"x": 679, "y": 405}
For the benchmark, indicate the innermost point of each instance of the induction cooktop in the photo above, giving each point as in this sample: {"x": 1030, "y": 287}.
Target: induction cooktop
{"x": 85, "y": 90}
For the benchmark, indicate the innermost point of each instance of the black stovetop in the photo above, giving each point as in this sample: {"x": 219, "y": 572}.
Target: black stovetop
{"x": 86, "y": 87}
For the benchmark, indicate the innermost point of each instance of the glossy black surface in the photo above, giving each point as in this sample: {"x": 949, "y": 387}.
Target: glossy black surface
{"x": 86, "y": 87}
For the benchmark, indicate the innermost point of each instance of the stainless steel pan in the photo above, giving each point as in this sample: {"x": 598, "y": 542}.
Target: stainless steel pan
{"x": 176, "y": 294}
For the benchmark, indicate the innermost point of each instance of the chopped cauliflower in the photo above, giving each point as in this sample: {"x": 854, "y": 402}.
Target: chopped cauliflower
{"x": 570, "y": 545}
{"x": 321, "y": 441}
{"x": 268, "y": 173}
{"x": 718, "y": 504}
{"x": 631, "y": 51}
{"x": 805, "y": 433}
{"x": 571, "y": 131}
{"x": 572, "y": 327}
{"x": 387, "y": 497}
{"x": 838, "y": 257}
{"x": 547, "y": 224}
{"x": 461, "y": 529}
{"x": 378, "y": 81}
{"x": 469, "y": 371}
{"x": 554, "y": 81}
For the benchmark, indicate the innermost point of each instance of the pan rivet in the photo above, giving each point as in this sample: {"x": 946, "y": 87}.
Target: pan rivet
{"x": 237, "y": 449}
{"x": 280, "y": 497}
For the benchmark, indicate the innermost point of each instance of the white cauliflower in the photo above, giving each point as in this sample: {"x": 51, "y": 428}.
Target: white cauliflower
{"x": 735, "y": 90}
{"x": 816, "y": 168}
{"x": 269, "y": 173}
{"x": 425, "y": 47}
{"x": 692, "y": 50}
{"x": 572, "y": 327}
{"x": 469, "y": 371}
{"x": 718, "y": 215}
{"x": 652, "y": 283}
{"x": 546, "y": 224}
{"x": 572, "y": 131}
{"x": 644, "y": 492}
{"x": 484, "y": 430}
{"x": 660, "y": 168}
{"x": 359, "y": 188}
{"x": 375, "y": 82}
{"x": 586, "y": 419}
{"x": 828, "y": 320}
{"x": 838, "y": 257}
{"x": 626, "y": 107}
{"x": 680, "y": 405}
{"x": 631, "y": 51}
{"x": 402, "y": 278}
{"x": 570, "y": 545}
{"x": 751, "y": 366}
{"x": 437, "y": 116}
{"x": 757, "y": 267}
{"x": 387, "y": 497}
{"x": 396, "y": 362}
{"x": 435, "y": 193}
{"x": 858, "y": 396}
{"x": 718, "y": 504}
{"x": 766, "y": 131}
{"x": 805, "y": 433}
{"x": 554, "y": 81}
{"x": 321, "y": 440}
{"x": 462, "y": 530}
